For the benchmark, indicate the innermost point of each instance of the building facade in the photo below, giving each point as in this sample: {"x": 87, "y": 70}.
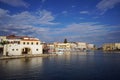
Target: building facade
{"x": 91, "y": 46}
{"x": 62, "y": 46}
{"x": 2, "y": 42}
{"x": 22, "y": 45}
{"x": 82, "y": 45}
{"x": 111, "y": 46}
{"x": 117, "y": 46}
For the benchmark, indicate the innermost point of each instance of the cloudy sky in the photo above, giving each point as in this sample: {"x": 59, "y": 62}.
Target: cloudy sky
{"x": 92, "y": 21}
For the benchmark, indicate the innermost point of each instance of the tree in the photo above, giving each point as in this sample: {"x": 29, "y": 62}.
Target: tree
{"x": 4, "y": 42}
{"x": 65, "y": 40}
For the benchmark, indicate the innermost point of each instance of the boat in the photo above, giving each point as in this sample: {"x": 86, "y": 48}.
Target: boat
{"x": 60, "y": 51}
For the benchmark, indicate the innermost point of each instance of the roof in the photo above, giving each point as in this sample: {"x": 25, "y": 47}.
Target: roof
{"x": 24, "y": 38}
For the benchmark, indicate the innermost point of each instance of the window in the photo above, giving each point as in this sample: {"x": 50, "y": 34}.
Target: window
{"x": 24, "y": 43}
{"x": 14, "y": 41}
{"x": 36, "y": 43}
{"x": 27, "y": 43}
{"x": 16, "y": 49}
{"x": 32, "y": 43}
{"x": 12, "y": 49}
{"x": 18, "y": 42}
{"x": 36, "y": 49}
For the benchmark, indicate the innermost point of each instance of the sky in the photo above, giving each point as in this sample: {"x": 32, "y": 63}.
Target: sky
{"x": 91, "y": 21}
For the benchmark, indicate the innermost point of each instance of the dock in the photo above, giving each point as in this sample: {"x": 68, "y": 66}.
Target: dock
{"x": 26, "y": 56}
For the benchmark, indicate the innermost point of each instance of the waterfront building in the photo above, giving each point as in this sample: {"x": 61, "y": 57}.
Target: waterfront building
{"x": 91, "y": 46}
{"x": 73, "y": 46}
{"x": 117, "y": 46}
{"x": 111, "y": 46}
{"x": 22, "y": 45}
{"x": 82, "y": 46}
{"x": 62, "y": 46}
{"x": 108, "y": 46}
{"x": 2, "y": 42}
{"x": 51, "y": 47}
{"x": 45, "y": 48}
{"x": 2, "y": 38}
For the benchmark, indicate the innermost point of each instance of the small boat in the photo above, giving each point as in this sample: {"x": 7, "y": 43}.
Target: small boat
{"x": 60, "y": 51}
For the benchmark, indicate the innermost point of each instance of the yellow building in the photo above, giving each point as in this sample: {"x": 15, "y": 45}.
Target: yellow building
{"x": 62, "y": 46}
{"x": 117, "y": 46}
{"x": 2, "y": 38}
{"x": 82, "y": 45}
{"x": 111, "y": 46}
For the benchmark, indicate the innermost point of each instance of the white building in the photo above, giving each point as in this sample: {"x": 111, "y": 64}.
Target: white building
{"x": 117, "y": 46}
{"x": 21, "y": 45}
{"x": 82, "y": 45}
{"x": 2, "y": 38}
{"x": 91, "y": 46}
{"x": 73, "y": 45}
{"x": 111, "y": 46}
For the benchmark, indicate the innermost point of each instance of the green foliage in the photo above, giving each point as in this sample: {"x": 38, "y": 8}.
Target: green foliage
{"x": 4, "y": 42}
{"x": 65, "y": 40}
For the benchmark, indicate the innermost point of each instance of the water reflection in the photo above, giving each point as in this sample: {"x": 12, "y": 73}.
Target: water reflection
{"x": 31, "y": 63}
{"x": 18, "y": 67}
{"x": 83, "y": 53}
{"x": 69, "y": 57}
{"x": 111, "y": 52}
{"x": 17, "y": 64}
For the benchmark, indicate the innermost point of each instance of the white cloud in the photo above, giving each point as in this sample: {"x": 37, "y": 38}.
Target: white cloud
{"x": 83, "y": 28}
{"x": 46, "y": 17}
{"x": 81, "y": 18}
{"x": 96, "y": 17}
{"x": 86, "y": 32}
{"x": 26, "y": 23}
{"x": 84, "y": 12}
{"x": 28, "y": 30}
{"x": 27, "y": 18}
{"x": 3, "y": 12}
{"x": 43, "y": 1}
{"x": 73, "y": 6}
{"x": 16, "y": 3}
{"x": 64, "y": 12}
{"x": 105, "y": 5}
{"x": 33, "y": 24}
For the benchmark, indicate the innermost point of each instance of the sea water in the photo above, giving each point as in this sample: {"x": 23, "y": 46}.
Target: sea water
{"x": 70, "y": 66}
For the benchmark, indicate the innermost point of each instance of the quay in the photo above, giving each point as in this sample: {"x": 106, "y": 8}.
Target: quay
{"x": 26, "y": 56}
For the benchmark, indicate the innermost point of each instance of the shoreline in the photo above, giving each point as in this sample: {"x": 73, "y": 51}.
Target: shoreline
{"x": 26, "y": 56}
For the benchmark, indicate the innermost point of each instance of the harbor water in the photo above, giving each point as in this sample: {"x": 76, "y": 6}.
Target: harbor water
{"x": 70, "y": 66}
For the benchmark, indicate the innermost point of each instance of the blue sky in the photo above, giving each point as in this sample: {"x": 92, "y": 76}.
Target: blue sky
{"x": 92, "y": 21}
